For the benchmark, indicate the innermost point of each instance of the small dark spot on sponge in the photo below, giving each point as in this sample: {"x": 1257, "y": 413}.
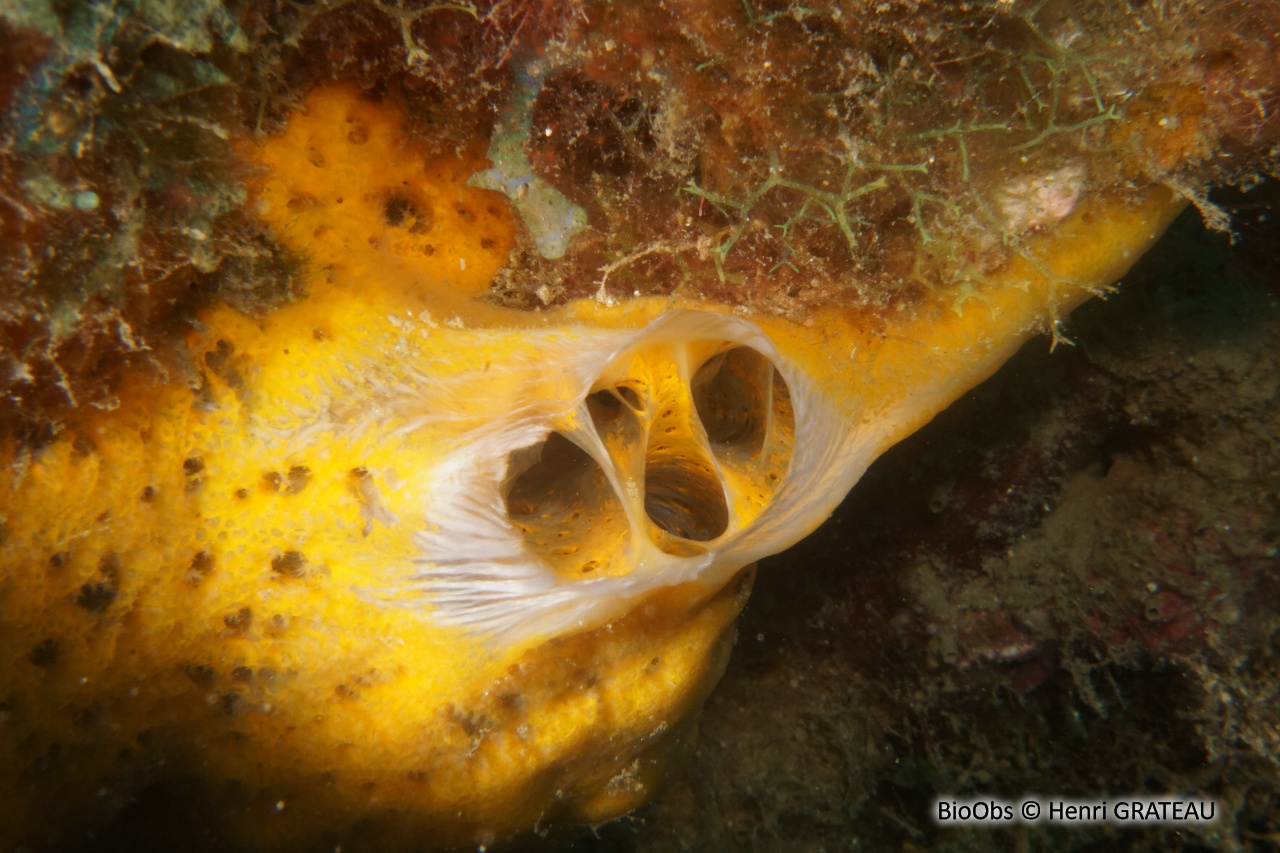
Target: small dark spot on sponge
{"x": 45, "y": 653}
{"x": 96, "y": 597}
{"x": 202, "y": 563}
{"x": 109, "y": 565}
{"x": 271, "y": 481}
{"x": 217, "y": 357}
{"x": 219, "y": 361}
{"x": 396, "y": 209}
{"x": 200, "y": 674}
{"x": 87, "y": 716}
{"x": 147, "y": 495}
{"x": 240, "y": 620}
{"x": 290, "y": 564}
{"x": 299, "y": 476}
{"x": 193, "y": 465}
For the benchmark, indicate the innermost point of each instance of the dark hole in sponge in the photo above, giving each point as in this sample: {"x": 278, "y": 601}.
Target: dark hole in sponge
{"x": 96, "y": 597}
{"x": 298, "y": 477}
{"x": 607, "y": 407}
{"x": 397, "y": 209}
{"x": 564, "y": 504}
{"x": 608, "y": 403}
{"x": 200, "y": 674}
{"x": 45, "y": 653}
{"x": 290, "y": 564}
{"x": 202, "y": 563}
{"x": 109, "y": 565}
{"x": 731, "y": 392}
{"x": 684, "y": 497}
{"x": 629, "y": 395}
{"x": 240, "y": 620}
{"x": 553, "y": 482}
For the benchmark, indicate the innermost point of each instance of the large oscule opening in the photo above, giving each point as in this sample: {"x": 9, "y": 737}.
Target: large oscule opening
{"x": 560, "y": 499}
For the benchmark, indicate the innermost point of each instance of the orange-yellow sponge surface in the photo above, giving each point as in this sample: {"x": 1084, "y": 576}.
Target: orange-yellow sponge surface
{"x": 180, "y": 599}
{"x": 347, "y": 186}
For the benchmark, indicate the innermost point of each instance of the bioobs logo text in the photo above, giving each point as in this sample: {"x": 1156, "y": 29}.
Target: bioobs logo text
{"x": 987, "y": 811}
{"x": 976, "y": 811}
